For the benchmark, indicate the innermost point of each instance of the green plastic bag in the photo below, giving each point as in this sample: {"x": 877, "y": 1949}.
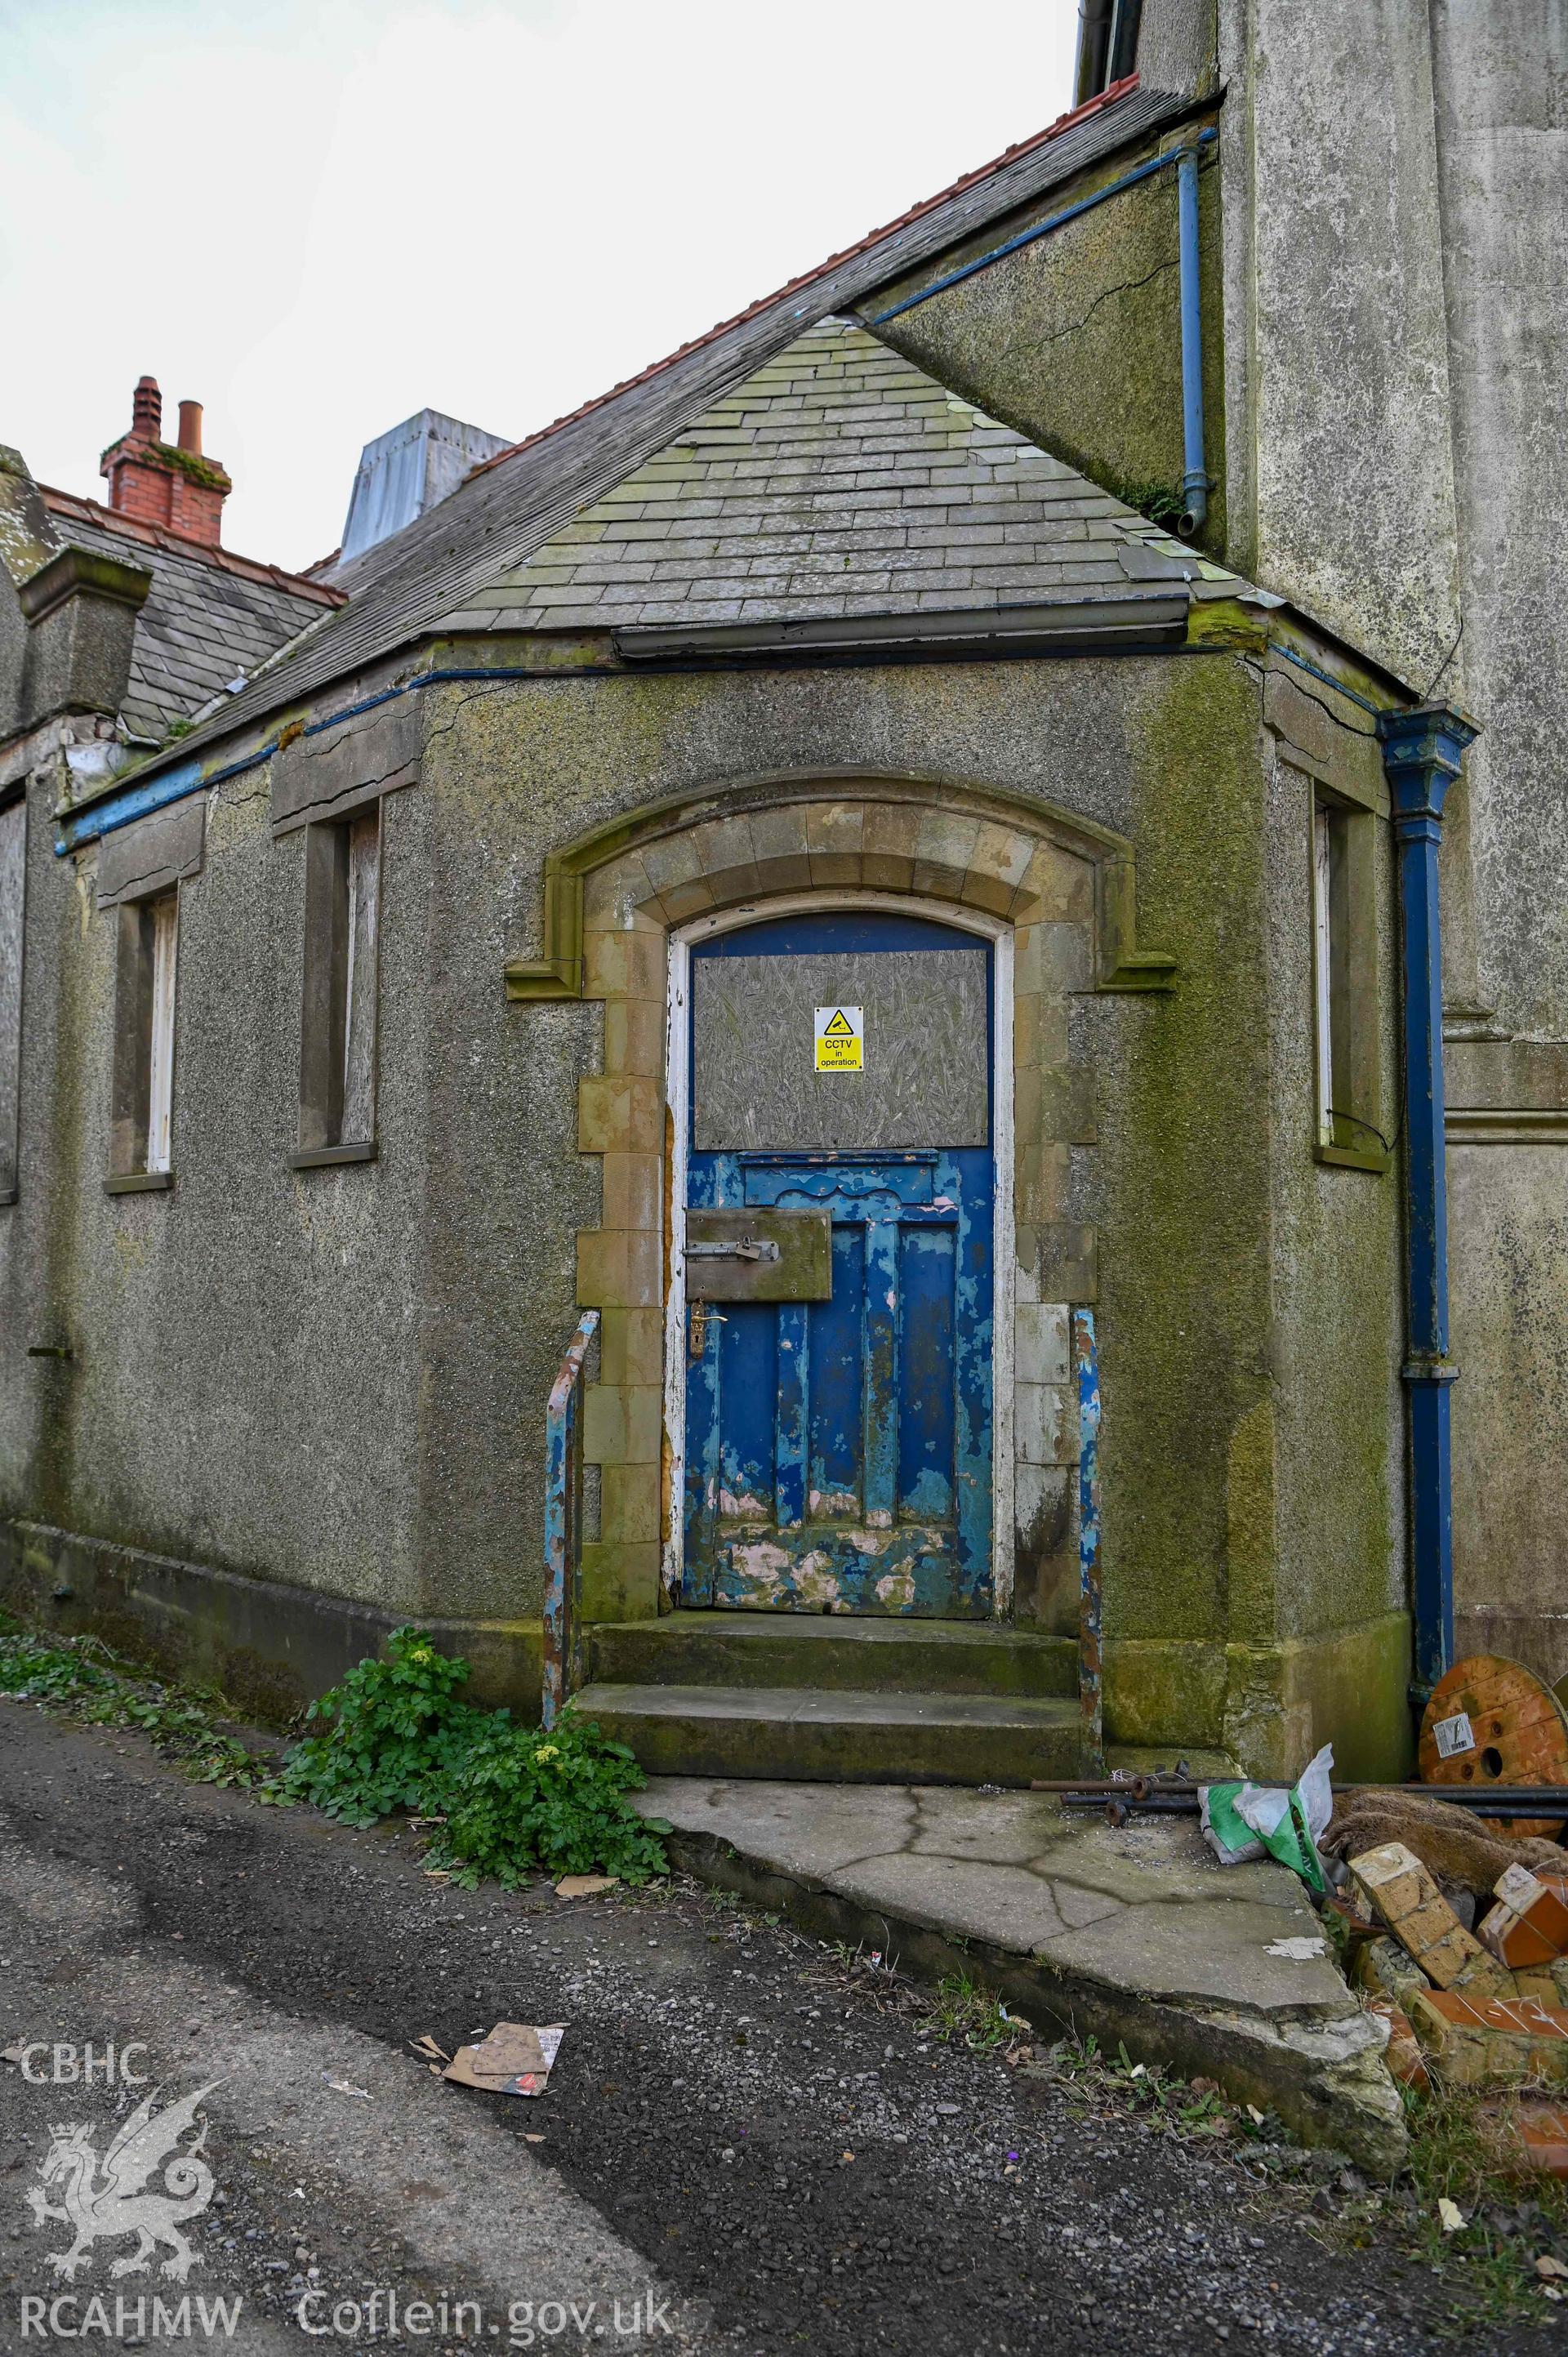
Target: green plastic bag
{"x": 1245, "y": 1821}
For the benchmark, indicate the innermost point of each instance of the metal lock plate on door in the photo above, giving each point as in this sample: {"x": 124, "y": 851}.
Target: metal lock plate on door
{"x": 759, "y": 1255}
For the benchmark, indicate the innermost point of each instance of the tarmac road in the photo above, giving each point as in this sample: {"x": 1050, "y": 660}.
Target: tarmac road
{"x": 739, "y": 2153}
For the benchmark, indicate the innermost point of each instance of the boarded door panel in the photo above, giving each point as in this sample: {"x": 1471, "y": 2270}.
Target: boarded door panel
{"x": 839, "y": 1450}
{"x": 924, "y": 1081}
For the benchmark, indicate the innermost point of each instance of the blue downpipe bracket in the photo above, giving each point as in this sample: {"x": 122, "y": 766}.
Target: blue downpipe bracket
{"x": 1423, "y": 752}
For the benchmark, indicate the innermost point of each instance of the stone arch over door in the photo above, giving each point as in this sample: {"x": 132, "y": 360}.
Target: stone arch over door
{"x": 1063, "y": 885}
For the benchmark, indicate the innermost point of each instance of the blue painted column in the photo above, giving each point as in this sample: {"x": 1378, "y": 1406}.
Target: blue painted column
{"x": 1423, "y": 752}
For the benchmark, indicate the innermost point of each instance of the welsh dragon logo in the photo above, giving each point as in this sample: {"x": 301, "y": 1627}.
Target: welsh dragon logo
{"x": 102, "y": 2205}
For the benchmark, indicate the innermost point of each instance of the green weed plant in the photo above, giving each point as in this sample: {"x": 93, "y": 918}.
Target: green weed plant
{"x": 501, "y": 1801}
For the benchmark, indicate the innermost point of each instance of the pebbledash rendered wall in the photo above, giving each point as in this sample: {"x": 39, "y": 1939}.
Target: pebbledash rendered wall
{"x": 300, "y": 1404}
{"x": 1382, "y": 321}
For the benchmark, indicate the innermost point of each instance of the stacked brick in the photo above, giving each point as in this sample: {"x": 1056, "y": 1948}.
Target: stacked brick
{"x": 1484, "y": 2009}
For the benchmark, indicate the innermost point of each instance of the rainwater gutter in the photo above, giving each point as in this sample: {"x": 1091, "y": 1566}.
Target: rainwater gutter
{"x": 1423, "y": 752}
{"x": 1195, "y": 483}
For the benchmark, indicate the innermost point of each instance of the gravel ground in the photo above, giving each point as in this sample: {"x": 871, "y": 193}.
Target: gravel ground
{"x": 770, "y": 2145}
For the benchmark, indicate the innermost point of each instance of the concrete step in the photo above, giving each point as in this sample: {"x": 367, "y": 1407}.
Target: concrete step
{"x": 842, "y": 1736}
{"x": 832, "y": 1653}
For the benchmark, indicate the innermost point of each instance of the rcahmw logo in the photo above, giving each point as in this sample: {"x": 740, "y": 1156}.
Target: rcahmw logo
{"x": 105, "y": 2199}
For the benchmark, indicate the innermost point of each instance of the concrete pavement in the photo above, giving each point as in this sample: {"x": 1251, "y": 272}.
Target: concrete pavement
{"x": 1132, "y": 1934}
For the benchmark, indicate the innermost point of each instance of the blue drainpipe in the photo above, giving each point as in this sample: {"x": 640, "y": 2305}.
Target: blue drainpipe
{"x": 1195, "y": 481}
{"x": 1423, "y": 752}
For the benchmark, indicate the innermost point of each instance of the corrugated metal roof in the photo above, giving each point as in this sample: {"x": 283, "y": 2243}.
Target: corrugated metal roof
{"x": 512, "y": 505}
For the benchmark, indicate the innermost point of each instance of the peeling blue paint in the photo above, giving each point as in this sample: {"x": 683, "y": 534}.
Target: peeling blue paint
{"x": 1086, "y": 1358}
{"x": 839, "y": 1452}
{"x": 564, "y": 1524}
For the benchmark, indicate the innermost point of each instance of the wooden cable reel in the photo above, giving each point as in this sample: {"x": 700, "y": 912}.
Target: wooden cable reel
{"x": 1492, "y": 1721}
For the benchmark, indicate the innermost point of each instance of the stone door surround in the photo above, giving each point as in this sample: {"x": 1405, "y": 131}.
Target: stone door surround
{"x": 1064, "y": 883}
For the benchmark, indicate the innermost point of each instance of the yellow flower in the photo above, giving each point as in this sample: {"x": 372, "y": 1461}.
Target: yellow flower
{"x": 546, "y": 1752}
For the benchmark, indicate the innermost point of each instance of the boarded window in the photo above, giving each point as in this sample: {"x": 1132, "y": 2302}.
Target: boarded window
{"x": 1329, "y": 944}
{"x": 141, "y": 1134}
{"x": 1348, "y": 1120}
{"x": 922, "y": 1078}
{"x": 13, "y": 883}
{"x": 338, "y": 1062}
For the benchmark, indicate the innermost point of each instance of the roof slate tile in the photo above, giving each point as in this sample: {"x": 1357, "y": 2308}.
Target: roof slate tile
{"x": 888, "y": 493}
{"x": 440, "y": 567}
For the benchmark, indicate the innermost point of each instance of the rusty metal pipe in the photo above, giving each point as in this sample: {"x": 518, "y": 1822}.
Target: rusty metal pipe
{"x": 1510, "y": 1800}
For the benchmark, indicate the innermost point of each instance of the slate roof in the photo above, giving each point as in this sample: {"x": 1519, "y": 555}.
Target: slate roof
{"x": 838, "y": 479}
{"x": 209, "y": 617}
{"x": 509, "y": 508}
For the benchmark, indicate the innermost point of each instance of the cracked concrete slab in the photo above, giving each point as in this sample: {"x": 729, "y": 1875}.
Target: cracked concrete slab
{"x": 1131, "y": 1932}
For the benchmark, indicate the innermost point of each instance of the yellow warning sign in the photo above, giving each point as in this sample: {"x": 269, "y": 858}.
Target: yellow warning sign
{"x": 841, "y": 1039}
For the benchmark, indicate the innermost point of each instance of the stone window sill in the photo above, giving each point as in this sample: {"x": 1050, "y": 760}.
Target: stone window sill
{"x": 1353, "y": 1157}
{"x": 139, "y": 1182}
{"x": 328, "y": 1157}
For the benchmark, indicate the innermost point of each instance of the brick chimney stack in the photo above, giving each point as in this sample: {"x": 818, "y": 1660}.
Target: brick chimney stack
{"x": 164, "y": 483}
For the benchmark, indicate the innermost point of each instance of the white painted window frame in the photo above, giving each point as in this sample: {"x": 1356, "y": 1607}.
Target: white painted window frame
{"x": 362, "y": 866}
{"x": 678, "y": 1090}
{"x": 160, "y": 1050}
{"x": 12, "y": 960}
{"x": 1323, "y": 964}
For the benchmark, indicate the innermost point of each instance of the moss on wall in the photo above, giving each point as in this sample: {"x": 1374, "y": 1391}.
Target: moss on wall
{"x": 336, "y": 1379}
{"x": 1076, "y": 340}
{"x": 1184, "y": 1231}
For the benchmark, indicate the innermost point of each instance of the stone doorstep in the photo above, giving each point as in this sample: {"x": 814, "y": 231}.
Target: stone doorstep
{"x": 831, "y": 1652}
{"x": 839, "y": 1735}
{"x": 1130, "y": 1934}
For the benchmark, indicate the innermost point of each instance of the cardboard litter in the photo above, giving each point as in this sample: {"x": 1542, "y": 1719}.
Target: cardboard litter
{"x": 1478, "y": 2042}
{"x": 515, "y": 2059}
{"x": 585, "y": 1886}
{"x": 1529, "y": 1925}
{"x": 1397, "y": 1886}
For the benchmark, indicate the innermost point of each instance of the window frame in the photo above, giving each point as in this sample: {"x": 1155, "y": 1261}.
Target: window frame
{"x": 146, "y": 1007}
{"x": 1347, "y": 1076}
{"x": 339, "y": 1023}
{"x": 12, "y": 811}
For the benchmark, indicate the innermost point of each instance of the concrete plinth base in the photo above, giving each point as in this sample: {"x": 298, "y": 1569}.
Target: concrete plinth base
{"x": 268, "y": 1648}
{"x": 1132, "y": 1934}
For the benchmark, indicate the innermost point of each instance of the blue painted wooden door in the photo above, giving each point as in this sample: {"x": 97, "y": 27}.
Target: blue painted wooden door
{"x": 839, "y": 1451}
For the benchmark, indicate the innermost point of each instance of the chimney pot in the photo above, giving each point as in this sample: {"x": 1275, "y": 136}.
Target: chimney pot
{"x": 146, "y": 410}
{"x": 181, "y": 490}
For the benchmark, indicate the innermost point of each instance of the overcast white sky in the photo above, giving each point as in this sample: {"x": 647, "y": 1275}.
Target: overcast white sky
{"x": 318, "y": 216}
